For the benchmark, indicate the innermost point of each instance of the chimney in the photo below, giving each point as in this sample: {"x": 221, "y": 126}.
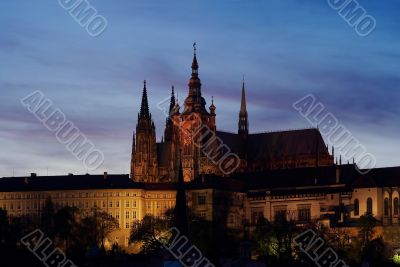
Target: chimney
{"x": 70, "y": 174}
{"x": 33, "y": 174}
{"x": 105, "y": 175}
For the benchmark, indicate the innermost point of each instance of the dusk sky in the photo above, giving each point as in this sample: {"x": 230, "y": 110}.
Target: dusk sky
{"x": 285, "y": 48}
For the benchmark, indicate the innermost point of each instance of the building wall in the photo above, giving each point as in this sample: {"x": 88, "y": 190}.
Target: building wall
{"x": 362, "y": 194}
{"x": 232, "y": 209}
{"x": 126, "y": 205}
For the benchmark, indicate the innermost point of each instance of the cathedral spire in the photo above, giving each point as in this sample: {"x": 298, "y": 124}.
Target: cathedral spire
{"x": 243, "y": 118}
{"x": 194, "y": 102}
{"x": 144, "y": 108}
{"x": 172, "y": 102}
{"x": 195, "y": 65}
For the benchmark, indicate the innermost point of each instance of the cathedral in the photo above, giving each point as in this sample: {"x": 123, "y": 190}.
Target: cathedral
{"x": 191, "y": 135}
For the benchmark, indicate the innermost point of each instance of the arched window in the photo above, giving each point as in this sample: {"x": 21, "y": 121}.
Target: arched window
{"x": 356, "y": 207}
{"x": 369, "y": 205}
{"x": 396, "y": 206}
{"x": 386, "y": 207}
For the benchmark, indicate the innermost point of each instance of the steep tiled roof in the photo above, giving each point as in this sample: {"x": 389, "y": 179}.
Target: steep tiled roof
{"x": 379, "y": 177}
{"x": 275, "y": 145}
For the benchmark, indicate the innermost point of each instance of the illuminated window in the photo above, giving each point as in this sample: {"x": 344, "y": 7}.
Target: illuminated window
{"x": 369, "y": 206}
{"x": 386, "y": 207}
{"x": 127, "y": 203}
{"x": 304, "y": 214}
{"x": 126, "y": 214}
{"x": 356, "y": 207}
{"x": 396, "y": 206}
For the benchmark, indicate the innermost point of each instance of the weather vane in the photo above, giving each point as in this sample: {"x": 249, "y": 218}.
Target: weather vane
{"x": 194, "y": 47}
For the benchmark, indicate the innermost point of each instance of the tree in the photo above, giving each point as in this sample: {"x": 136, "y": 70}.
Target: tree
{"x": 366, "y": 225}
{"x": 104, "y": 223}
{"x": 264, "y": 237}
{"x": 284, "y": 231}
{"x": 47, "y": 218}
{"x": 93, "y": 228}
{"x": 4, "y": 227}
{"x": 376, "y": 252}
{"x": 65, "y": 221}
{"x": 152, "y": 232}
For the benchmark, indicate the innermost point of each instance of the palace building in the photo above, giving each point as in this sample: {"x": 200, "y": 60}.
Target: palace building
{"x": 193, "y": 131}
{"x": 287, "y": 173}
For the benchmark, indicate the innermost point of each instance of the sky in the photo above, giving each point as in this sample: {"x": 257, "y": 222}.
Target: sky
{"x": 286, "y": 49}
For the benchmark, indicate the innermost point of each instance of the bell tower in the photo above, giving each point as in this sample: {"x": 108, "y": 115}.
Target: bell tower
{"x": 194, "y": 116}
{"x": 144, "y": 159}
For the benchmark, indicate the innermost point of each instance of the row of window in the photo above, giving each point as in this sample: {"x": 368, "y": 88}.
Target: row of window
{"x": 159, "y": 204}
{"x": 357, "y": 206}
{"x": 34, "y": 205}
{"x": 68, "y": 195}
{"x": 395, "y": 206}
{"x": 82, "y": 195}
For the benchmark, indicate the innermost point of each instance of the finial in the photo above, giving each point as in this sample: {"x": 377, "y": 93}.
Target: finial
{"x": 194, "y": 48}
{"x": 144, "y": 82}
{"x": 212, "y": 100}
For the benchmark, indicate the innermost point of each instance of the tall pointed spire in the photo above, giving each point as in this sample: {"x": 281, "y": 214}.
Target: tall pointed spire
{"x": 194, "y": 102}
{"x": 243, "y": 118}
{"x": 243, "y": 102}
{"x": 172, "y": 102}
{"x": 195, "y": 65}
{"x": 144, "y": 108}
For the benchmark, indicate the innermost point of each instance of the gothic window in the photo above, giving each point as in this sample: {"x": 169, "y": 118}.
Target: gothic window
{"x": 386, "y": 207}
{"x": 396, "y": 206}
{"x": 369, "y": 206}
{"x": 356, "y": 207}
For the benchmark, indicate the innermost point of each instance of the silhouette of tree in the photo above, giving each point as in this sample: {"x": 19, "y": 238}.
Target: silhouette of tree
{"x": 47, "y": 218}
{"x": 65, "y": 222}
{"x": 152, "y": 232}
{"x": 366, "y": 225}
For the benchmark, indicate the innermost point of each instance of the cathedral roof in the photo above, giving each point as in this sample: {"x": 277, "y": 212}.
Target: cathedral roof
{"x": 275, "y": 145}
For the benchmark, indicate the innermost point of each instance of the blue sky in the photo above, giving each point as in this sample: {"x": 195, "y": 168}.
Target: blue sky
{"x": 285, "y": 49}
